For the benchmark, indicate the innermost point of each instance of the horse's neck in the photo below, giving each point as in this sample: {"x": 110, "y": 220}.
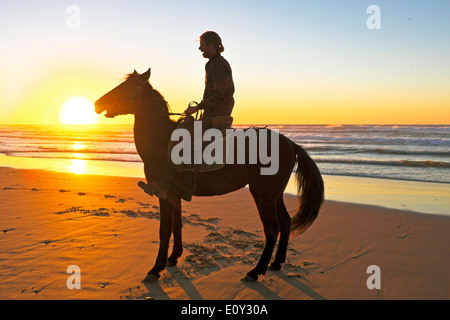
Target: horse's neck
{"x": 151, "y": 136}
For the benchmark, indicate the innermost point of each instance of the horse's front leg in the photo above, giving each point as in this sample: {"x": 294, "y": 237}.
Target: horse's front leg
{"x": 167, "y": 211}
{"x": 177, "y": 239}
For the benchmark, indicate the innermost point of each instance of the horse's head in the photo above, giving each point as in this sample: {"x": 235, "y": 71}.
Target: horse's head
{"x": 127, "y": 97}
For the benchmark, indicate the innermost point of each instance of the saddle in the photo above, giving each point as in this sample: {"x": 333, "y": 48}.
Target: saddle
{"x": 222, "y": 123}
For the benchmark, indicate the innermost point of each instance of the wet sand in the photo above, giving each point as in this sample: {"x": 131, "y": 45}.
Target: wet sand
{"x": 110, "y": 229}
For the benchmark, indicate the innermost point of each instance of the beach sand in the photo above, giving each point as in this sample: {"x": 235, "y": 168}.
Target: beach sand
{"x": 110, "y": 229}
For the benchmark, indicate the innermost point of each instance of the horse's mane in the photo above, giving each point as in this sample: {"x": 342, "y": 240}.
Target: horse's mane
{"x": 155, "y": 92}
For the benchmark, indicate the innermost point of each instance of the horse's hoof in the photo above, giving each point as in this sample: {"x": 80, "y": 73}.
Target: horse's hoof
{"x": 151, "y": 278}
{"x": 274, "y": 267}
{"x": 171, "y": 264}
{"x": 248, "y": 278}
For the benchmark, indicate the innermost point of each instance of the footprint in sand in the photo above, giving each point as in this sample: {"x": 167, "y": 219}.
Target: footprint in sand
{"x": 308, "y": 264}
{"x": 356, "y": 256}
{"x": 223, "y": 247}
{"x": 142, "y": 204}
{"x": 6, "y": 230}
{"x": 136, "y": 293}
{"x": 47, "y": 242}
{"x": 103, "y": 285}
{"x": 101, "y": 212}
{"x": 35, "y": 290}
{"x": 404, "y": 236}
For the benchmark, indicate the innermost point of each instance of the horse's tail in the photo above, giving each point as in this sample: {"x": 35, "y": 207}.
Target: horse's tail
{"x": 310, "y": 188}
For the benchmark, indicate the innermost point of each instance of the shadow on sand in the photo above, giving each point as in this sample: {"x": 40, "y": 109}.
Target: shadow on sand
{"x": 184, "y": 282}
{"x": 155, "y": 291}
{"x": 269, "y": 294}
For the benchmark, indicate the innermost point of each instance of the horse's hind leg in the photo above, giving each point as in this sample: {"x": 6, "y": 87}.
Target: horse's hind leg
{"x": 285, "y": 229}
{"x": 267, "y": 212}
{"x": 177, "y": 239}
{"x": 167, "y": 209}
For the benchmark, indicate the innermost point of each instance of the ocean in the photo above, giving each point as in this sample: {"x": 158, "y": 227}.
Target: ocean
{"x": 400, "y": 152}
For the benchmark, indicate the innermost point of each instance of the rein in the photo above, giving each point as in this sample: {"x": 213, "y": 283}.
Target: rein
{"x": 161, "y": 113}
{"x": 139, "y": 90}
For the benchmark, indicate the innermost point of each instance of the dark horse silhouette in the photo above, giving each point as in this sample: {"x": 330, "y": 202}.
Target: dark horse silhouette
{"x": 152, "y": 132}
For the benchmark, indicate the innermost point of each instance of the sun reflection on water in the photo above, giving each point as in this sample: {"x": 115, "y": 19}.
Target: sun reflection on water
{"x": 78, "y": 146}
{"x": 77, "y": 166}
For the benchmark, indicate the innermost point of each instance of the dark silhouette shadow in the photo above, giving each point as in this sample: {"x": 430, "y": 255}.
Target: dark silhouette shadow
{"x": 185, "y": 283}
{"x": 298, "y": 285}
{"x": 155, "y": 291}
{"x": 263, "y": 290}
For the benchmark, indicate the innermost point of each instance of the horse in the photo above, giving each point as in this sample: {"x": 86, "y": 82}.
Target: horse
{"x": 152, "y": 133}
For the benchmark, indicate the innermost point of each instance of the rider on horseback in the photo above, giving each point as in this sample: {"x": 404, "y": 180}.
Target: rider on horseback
{"x": 217, "y": 102}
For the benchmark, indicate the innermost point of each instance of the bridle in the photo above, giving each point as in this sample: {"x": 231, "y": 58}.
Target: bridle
{"x": 138, "y": 90}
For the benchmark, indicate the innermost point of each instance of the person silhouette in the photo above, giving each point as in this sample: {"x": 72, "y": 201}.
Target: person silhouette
{"x": 219, "y": 86}
{"x": 218, "y": 101}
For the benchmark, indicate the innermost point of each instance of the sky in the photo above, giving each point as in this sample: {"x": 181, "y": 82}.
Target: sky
{"x": 294, "y": 62}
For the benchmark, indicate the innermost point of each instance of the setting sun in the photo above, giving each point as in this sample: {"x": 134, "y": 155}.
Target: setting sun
{"x": 77, "y": 110}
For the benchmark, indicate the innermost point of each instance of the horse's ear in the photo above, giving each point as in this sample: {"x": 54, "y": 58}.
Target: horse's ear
{"x": 134, "y": 72}
{"x": 146, "y": 75}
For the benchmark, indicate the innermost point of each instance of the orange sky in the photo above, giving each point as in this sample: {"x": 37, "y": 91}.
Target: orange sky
{"x": 294, "y": 63}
